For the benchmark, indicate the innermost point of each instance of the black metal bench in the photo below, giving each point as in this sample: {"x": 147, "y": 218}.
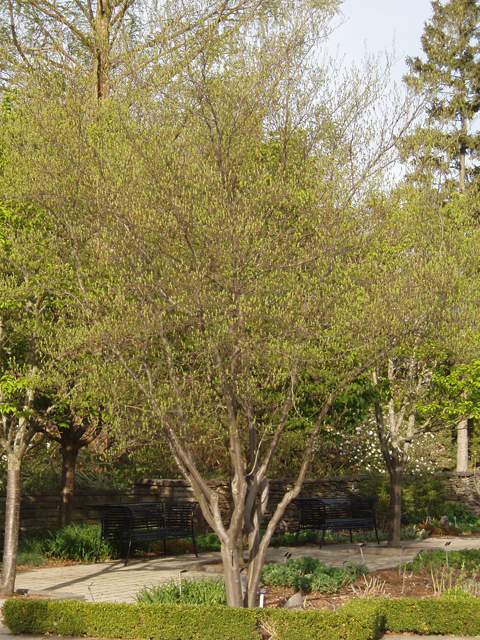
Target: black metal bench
{"x": 346, "y": 512}
{"x": 145, "y": 522}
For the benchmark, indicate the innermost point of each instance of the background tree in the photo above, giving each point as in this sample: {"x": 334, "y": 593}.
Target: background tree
{"x": 23, "y": 305}
{"x": 458, "y": 394}
{"x": 449, "y": 76}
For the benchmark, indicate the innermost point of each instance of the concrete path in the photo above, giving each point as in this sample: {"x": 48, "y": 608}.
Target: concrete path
{"x": 111, "y": 581}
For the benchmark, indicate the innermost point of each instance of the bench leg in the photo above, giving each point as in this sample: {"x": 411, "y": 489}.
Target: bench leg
{"x": 323, "y": 538}
{"x": 194, "y": 545}
{"x": 98, "y": 548}
{"x": 164, "y": 547}
{"x": 128, "y": 552}
{"x": 376, "y": 534}
{"x": 351, "y": 539}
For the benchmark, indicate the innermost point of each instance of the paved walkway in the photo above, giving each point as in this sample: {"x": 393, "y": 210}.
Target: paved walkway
{"x": 111, "y": 581}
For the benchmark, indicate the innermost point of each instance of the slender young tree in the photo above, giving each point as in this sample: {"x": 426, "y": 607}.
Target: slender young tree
{"x": 22, "y": 314}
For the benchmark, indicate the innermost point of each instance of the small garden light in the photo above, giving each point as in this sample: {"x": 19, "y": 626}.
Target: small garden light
{"x": 262, "y": 592}
{"x": 361, "y": 551}
{"x": 446, "y": 550}
{"x": 180, "y": 581}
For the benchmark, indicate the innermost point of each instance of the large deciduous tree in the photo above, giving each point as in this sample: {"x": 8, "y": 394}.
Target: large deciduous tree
{"x": 231, "y": 241}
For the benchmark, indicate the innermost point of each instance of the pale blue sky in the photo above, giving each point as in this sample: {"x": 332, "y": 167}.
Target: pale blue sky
{"x": 376, "y": 24}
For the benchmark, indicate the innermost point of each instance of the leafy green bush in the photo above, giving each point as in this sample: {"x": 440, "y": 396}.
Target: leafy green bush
{"x": 357, "y": 623}
{"x": 121, "y": 620}
{"x": 463, "y": 515}
{"x": 207, "y": 591}
{"x": 458, "y": 593}
{"x": 309, "y": 574}
{"x": 357, "y": 620}
{"x": 207, "y": 542}
{"x": 184, "y": 622}
{"x": 442, "y": 615}
{"x": 421, "y": 495}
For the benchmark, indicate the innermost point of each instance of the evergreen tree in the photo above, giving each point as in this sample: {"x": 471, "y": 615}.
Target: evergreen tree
{"x": 450, "y": 78}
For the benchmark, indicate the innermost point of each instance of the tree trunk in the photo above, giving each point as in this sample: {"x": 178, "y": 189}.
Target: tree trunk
{"x": 255, "y": 564}
{"x": 231, "y": 569}
{"x": 101, "y": 50}
{"x": 69, "y": 461}
{"x": 12, "y": 525}
{"x": 462, "y": 445}
{"x": 463, "y": 169}
{"x": 395, "y": 514}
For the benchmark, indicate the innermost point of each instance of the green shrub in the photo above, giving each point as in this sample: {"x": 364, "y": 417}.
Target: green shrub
{"x": 357, "y": 620}
{"x": 207, "y": 542}
{"x": 442, "y": 615}
{"x": 463, "y": 515}
{"x": 121, "y": 620}
{"x": 458, "y": 593}
{"x": 207, "y": 591}
{"x": 184, "y": 622}
{"x": 363, "y": 623}
{"x": 421, "y": 495}
{"x": 309, "y": 574}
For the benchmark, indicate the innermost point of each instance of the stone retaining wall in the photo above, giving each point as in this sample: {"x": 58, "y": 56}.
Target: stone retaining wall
{"x": 39, "y": 509}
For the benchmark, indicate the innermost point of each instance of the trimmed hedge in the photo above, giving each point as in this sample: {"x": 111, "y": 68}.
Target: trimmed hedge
{"x": 433, "y": 616}
{"x": 124, "y": 620}
{"x": 357, "y": 620}
{"x": 184, "y": 622}
{"x": 353, "y": 623}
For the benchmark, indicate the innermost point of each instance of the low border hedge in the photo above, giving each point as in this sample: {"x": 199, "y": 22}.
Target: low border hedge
{"x": 357, "y": 620}
{"x": 432, "y": 616}
{"x": 185, "y": 622}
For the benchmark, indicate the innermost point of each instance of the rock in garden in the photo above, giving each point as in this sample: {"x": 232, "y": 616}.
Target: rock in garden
{"x": 295, "y": 602}
{"x": 444, "y": 522}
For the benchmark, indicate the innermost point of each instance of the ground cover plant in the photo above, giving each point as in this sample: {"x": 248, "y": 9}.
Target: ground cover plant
{"x": 464, "y": 558}
{"x": 308, "y": 574}
{"x": 452, "y": 573}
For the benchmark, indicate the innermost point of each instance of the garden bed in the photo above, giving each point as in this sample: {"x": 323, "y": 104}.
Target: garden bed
{"x": 384, "y": 582}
